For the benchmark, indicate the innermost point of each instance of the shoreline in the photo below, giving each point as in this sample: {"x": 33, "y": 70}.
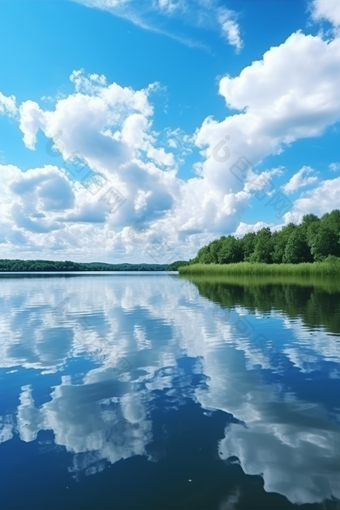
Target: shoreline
{"x": 86, "y": 273}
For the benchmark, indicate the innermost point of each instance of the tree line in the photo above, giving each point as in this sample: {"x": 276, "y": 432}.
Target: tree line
{"x": 313, "y": 240}
{"x": 10, "y": 265}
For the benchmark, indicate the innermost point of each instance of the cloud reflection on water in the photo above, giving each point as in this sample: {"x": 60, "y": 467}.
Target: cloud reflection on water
{"x": 155, "y": 321}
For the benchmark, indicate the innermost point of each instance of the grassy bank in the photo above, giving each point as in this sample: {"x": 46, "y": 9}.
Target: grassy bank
{"x": 247, "y": 268}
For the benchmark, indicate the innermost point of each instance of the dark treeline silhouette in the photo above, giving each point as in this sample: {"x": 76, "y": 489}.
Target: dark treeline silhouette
{"x": 313, "y": 240}
{"x": 49, "y": 265}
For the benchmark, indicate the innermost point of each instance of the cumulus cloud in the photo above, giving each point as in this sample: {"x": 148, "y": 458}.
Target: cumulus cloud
{"x": 31, "y": 119}
{"x": 324, "y": 198}
{"x": 246, "y": 228}
{"x": 283, "y": 97}
{"x": 110, "y": 127}
{"x": 280, "y": 99}
{"x": 304, "y": 177}
{"x": 31, "y": 200}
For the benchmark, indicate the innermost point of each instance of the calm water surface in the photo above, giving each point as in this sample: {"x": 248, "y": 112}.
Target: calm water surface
{"x": 148, "y": 391}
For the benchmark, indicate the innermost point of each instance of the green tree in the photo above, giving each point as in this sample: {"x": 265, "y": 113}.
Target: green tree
{"x": 230, "y": 251}
{"x": 297, "y": 249}
{"x": 280, "y": 239}
{"x": 308, "y": 220}
{"x": 263, "y": 247}
{"x": 332, "y": 221}
{"x": 247, "y": 244}
{"x": 323, "y": 241}
{"x": 214, "y": 249}
{"x": 37, "y": 267}
{"x": 204, "y": 255}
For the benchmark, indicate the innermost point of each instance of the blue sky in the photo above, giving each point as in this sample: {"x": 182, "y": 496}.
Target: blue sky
{"x": 143, "y": 91}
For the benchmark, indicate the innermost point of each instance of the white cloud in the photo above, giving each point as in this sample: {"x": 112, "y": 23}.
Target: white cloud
{"x": 246, "y": 228}
{"x": 111, "y": 127}
{"x": 291, "y": 94}
{"x": 324, "y": 198}
{"x": 304, "y": 177}
{"x": 172, "y": 143}
{"x": 134, "y": 131}
{"x": 283, "y": 98}
{"x": 334, "y": 167}
{"x": 169, "y": 6}
{"x": 154, "y": 14}
{"x": 328, "y": 10}
{"x": 31, "y": 119}
{"x": 8, "y": 105}
{"x": 89, "y": 118}
{"x": 31, "y": 201}
{"x": 230, "y": 28}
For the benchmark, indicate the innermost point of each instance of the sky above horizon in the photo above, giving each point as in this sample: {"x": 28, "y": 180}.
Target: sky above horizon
{"x": 140, "y": 130}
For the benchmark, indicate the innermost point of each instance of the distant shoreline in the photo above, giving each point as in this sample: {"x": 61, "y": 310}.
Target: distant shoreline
{"x": 67, "y": 266}
{"x": 248, "y": 268}
{"x": 94, "y": 271}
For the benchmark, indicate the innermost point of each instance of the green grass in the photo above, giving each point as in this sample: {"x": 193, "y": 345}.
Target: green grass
{"x": 247, "y": 268}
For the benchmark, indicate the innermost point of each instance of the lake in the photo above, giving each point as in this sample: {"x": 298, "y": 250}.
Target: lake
{"x": 151, "y": 391}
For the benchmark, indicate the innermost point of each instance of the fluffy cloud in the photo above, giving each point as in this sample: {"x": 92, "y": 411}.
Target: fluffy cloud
{"x": 110, "y": 127}
{"x": 88, "y": 118}
{"x": 324, "y": 198}
{"x": 32, "y": 200}
{"x": 245, "y": 228}
{"x": 302, "y": 178}
{"x": 280, "y": 99}
{"x": 326, "y": 10}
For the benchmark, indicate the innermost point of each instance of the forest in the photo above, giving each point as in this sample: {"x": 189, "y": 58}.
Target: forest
{"x": 10, "y": 265}
{"x": 313, "y": 240}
